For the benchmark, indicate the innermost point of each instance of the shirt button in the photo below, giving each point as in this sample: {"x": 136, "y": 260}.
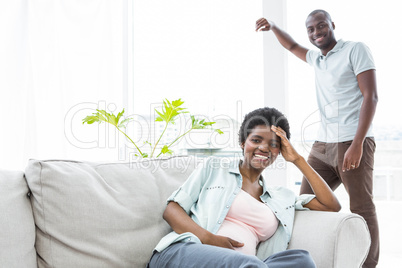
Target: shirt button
{"x": 227, "y": 206}
{"x": 219, "y": 222}
{"x": 284, "y": 225}
{"x": 276, "y": 212}
{"x": 189, "y": 239}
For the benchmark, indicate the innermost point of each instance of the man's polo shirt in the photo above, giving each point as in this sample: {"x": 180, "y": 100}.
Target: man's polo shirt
{"x": 338, "y": 94}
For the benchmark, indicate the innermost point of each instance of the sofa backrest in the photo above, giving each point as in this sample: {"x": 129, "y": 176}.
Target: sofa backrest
{"x": 17, "y": 228}
{"x": 101, "y": 214}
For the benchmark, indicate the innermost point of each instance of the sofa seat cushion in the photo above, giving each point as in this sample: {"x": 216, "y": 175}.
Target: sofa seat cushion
{"x": 17, "y": 227}
{"x": 101, "y": 214}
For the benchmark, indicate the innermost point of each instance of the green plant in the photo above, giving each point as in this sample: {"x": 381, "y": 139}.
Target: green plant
{"x": 168, "y": 115}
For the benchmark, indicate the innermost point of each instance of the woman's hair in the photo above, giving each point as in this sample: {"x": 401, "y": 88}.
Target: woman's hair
{"x": 263, "y": 116}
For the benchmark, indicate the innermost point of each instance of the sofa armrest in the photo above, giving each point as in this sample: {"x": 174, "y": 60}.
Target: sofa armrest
{"x": 333, "y": 239}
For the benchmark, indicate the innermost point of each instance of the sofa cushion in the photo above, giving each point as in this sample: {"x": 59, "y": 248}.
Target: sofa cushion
{"x": 17, "y": 228}
{"x": 101, "y": 214}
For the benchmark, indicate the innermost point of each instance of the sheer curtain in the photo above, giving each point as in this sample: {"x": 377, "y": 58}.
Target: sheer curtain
{"x": 60, "y": 59}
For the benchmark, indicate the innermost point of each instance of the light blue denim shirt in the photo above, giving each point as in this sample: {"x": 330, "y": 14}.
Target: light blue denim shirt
{"x": 209, "y": 192}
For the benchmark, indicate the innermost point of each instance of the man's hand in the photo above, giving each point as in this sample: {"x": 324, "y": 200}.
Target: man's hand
{"x": 223, "y": 242}
{"x": 263, "y": 25}
{"x": 283, "y": 37}
{"x": 352, "y": 157}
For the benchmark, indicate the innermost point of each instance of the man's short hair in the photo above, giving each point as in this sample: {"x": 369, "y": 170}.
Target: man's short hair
{"x": 326, "y": 14}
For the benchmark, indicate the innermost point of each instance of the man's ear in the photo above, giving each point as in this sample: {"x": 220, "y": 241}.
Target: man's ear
{"x": 242, "y": 145}
{"x": 333, "y": 26}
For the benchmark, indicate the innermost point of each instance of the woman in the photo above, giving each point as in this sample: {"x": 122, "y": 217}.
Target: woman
{"x": 225, "y": 209}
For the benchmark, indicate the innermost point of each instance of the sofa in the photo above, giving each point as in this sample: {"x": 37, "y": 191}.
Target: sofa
{"x": 60, "y": 213}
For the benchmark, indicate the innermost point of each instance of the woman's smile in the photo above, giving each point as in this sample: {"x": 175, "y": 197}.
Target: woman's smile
{"x": 261, "y": 157}
{"x": 261, "y": 147}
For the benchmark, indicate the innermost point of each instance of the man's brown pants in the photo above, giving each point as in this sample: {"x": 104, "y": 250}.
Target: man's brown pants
{"x": 327, "y": 160}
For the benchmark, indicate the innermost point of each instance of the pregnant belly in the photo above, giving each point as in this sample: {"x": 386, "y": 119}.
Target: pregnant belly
{"x": 242, "y": 233}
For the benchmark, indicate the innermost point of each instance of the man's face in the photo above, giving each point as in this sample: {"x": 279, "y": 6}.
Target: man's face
{"x": 320, "y": 31}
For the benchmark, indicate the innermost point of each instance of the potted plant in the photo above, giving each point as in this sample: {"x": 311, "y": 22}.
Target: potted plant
{"x": 169, "y": 113}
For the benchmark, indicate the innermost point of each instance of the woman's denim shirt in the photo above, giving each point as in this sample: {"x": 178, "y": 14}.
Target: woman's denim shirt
{"x": 209, "y": 192}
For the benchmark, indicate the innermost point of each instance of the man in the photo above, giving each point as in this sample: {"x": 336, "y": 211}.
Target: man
{"x": 347, "y": 99}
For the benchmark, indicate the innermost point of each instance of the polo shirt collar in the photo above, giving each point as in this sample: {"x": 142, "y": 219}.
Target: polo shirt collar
{"x": 339, "y": 44}
{"x": 235, "y": 168}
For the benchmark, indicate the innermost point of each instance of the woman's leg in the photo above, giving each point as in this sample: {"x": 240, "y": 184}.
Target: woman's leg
{"x": 183, "y": 255}
{"x": 292, "y": 258}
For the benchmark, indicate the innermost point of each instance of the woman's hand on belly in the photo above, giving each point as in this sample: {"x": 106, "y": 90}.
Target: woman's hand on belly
{"x": 222, "y": 241}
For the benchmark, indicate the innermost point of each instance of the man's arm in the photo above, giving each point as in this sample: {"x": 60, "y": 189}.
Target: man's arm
{"x": 283, "y": 37}
{"x": 368, "y": 86}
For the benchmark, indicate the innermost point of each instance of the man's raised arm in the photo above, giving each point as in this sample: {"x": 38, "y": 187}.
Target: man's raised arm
{"x": 283, "y": 37}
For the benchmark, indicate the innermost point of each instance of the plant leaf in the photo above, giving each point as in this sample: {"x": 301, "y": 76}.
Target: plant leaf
{"x": 177, "y": 103}
{"x": 124, "y": 122}
{"x": 103, "y": 115}
{"x": 90, "y": 119}
{"x": 166, "y": 150}
{"x": 202, "y": 124}
{"x": 170, "y": 110}
{"x": 161, "y": 116}
{"x": 219, "y": 131}
{"x": 119, "y": 115}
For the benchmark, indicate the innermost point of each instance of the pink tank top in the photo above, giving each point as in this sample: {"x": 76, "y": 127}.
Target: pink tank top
{"x": 248, "y": 221}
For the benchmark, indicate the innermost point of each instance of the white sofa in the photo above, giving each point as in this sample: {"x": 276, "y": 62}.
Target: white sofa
{"x": 82, "y": 214}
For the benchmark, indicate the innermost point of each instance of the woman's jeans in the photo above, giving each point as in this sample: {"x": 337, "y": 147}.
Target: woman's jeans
{"x": 197, "y": 255}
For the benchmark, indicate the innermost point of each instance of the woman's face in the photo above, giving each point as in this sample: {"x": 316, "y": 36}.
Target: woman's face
{"x": 261, "y": 147}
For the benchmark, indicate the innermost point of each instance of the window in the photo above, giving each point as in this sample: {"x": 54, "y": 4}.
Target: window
{"x": 206, "y": 53}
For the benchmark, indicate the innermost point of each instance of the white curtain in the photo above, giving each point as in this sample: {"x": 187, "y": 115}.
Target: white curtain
{"x": 58, "y": 60}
